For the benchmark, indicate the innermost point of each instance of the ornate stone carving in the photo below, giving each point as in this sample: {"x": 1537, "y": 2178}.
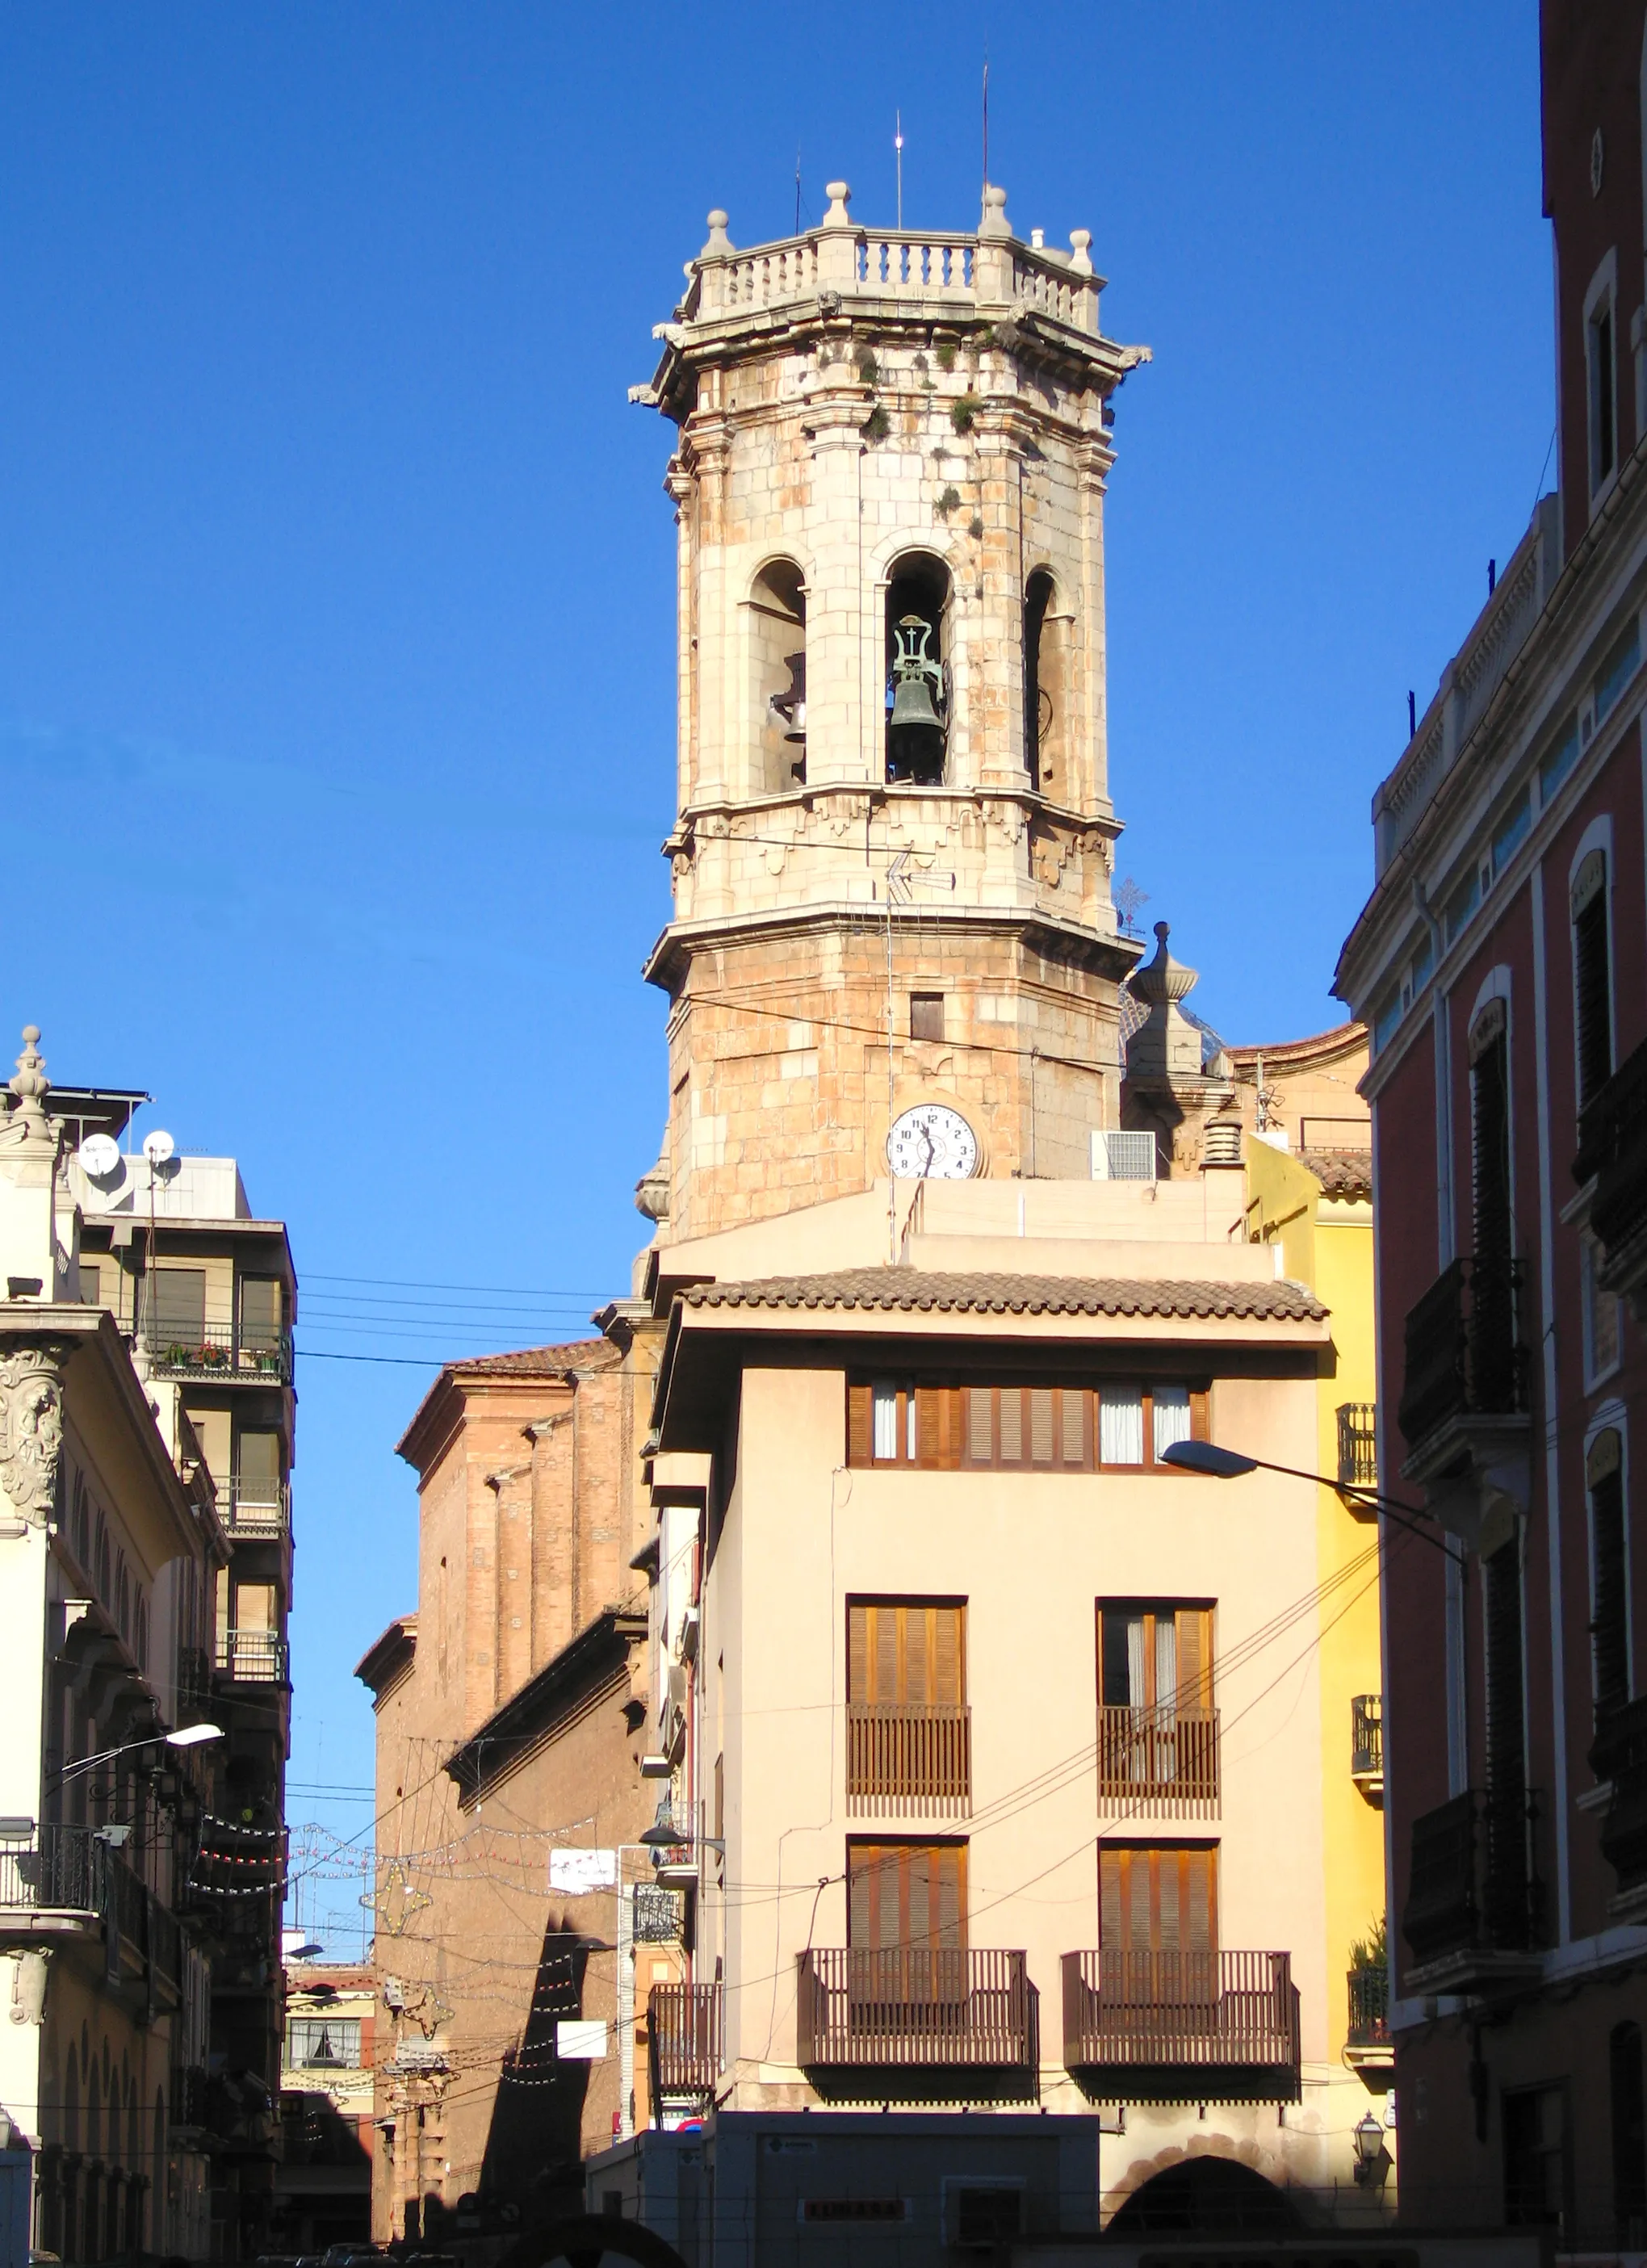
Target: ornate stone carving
{"x": 31, "y": 1425}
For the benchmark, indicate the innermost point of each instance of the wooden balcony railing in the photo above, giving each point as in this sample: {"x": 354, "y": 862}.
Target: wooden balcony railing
{"x": 1164, "y": 1763}
{"x": 1472, "y": 1891}
{"x": 916, "y": 1761}
{"x": 684, "y": 2051}
{"x": 1177, "y": 2027}
{"x": 918, "y": 2021}
{"x": 1464, "y": 1357}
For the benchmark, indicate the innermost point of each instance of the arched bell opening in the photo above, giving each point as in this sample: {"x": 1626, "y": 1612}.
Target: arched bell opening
{"x": 777, "y": 616}
{"x": 1045, "y": 687}
{"x": 917, "y": 670}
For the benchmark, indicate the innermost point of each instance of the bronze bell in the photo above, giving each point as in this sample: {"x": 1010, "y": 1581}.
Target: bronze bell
{"x": 914, "y": 730}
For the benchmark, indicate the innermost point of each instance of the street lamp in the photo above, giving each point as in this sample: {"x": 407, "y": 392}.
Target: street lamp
{"x": 1367, "y": 2134}
{"x": 188, "y": 1736}
{"x": 1218, "y": 1463}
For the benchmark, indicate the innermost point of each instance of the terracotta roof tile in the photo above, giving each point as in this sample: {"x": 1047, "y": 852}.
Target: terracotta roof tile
{"x": 539, "y": 1362}
{"x": 911, "y": 1291}
{"x": 1341, "y": 1173}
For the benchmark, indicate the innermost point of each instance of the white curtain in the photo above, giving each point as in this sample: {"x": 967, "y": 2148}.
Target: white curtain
{"x": 1137, "y": 1672}
{"x": 1120, "y": 1425}
{"x": 887, "y": 1421}
{"x": 1171, "y": 1418}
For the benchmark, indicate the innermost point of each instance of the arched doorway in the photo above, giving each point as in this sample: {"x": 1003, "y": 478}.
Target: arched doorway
{"x": 1206, "y": 2196}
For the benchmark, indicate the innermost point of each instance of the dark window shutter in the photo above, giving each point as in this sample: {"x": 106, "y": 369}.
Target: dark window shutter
{"x": 1490, "y": 1081}
{"x": 1610, "y": 1629}
{"x": 1592, "y": 982}
{"x": 1500, "y": 1605}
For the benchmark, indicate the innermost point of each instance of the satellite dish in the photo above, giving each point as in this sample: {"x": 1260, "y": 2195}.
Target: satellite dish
{"x": 99, "y": 1156}
{"x": 157, "y": 1147}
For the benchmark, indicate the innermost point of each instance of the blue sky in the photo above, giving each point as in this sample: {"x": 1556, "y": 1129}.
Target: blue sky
{"x": 335, "y": 575}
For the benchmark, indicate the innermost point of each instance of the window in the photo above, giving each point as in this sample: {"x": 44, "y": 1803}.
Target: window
{"x": 177, "y": 1298}
{"x": 1555, "y": 766}
{"x": 314, "y": 2041}
{"x": 1615, "y": 673}
{"x": 1511, "y": 831}
{"x": 908, "y": 1735}
{"x": 1629, "y": 2108}
{"x": 1592, "y": 980}
{"x": 1506, "y": 1806}
{"x": 1609, "y": 1595}
{"x": 1119, "y": 1425}
{"x": 1537, "y": 2176}
{"x": 91, "y": 1284}
{"x": 1603, "y": 419}
{"x": 907, "y": 1894}
{"x": 1161, "y": 1897}
{"x": 1493, "y": 1308}
{"x": 777, "y": 640}
{"x": 260, "y": 1314}
{"x": 1047, "y": 741}
{"x": 1601, "y": 1312}
{"x": 926, "y": 1016}
{"x": 1157, "y": 1732}
{"x": 909, "y": 1653}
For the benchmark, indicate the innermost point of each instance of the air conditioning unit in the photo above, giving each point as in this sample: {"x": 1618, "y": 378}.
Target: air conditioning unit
{"x": 689, "y": 1624}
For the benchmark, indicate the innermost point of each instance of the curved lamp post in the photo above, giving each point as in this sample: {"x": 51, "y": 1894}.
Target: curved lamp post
{"x": 189, "y": 1736}
{"x": 1220, "y": 1464}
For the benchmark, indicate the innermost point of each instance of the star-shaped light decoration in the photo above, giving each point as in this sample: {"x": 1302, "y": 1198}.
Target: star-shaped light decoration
{"x": 397, "y": 1903}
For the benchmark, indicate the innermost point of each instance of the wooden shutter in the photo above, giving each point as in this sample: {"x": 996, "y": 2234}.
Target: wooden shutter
{"x": 948, "y": 1657}
{"x": 906, "y": 1894}
{"x": 929, "y": 1402}
{"x": 1501, "y": 1607}
{"x": 1041, "y": 1424}
{"x": 179, "y": 1298}
{"x": 860, "y": 1425}
{"x": 980, "y": 1425}
{"x": 1073, "y": 1414}
{"x": 1610, "y": 1629}
{"x": 1195, "y": 1658}
{"x": 908, "y": 1655}
{"x": 1490, "y": 1080}
{"x": 1593, "y": 985}
{"x": 857, "y": 1654}
{"x": 1157, "y": 1898}
{"x": 1012, "y": 1425}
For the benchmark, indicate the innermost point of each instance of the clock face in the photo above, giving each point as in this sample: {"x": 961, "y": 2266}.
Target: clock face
{"x": 932, "y": 1143}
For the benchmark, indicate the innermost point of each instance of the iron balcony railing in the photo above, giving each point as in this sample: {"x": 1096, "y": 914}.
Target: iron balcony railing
{"x": 911, "y": 1760}
{"x": 1165, "y": 1757}
{"x": 1463, "y": 1354}
{"x": 194, "y": 1677}
{"x": 683, "y": 2041}
{"x": 1369, "y": 2008}
{"x": 913, "y": 2009}
{"x": 256, "y": 1507}
{"x": 219, "y": 1349}
{"x": 1366, "y": 1738}
{"x": 252, "y": 1657}
{"x": 191, "y": 2095}
{"x": 1613, "y": 1154}
{"x": 58, "y": 1869}
{"x": 1173, "y": 2027}
{"x": 1358, "y": 1443}
{"x": 1472, "y": 1887}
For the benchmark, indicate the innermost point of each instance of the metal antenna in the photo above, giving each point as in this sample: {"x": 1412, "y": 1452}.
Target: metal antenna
{"x": 986, "y": 120}
{"x": 897, "y": 143}
{"x": 797, "y": 192}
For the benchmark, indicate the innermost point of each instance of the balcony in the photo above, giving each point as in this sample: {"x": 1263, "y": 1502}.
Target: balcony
{"x": 252, "y": 1657}
{"x": 1619, "y": 1757}
{"x": 1358, "y": 1447}
{"x": 256, "y": 1509}
{"x": 68, "y": 1884}
{"x": 191, "y": 2118}
{"x": 1473, "y": 1900}
{"x": 1366, "y": 1745}
{"x": 1182, "y": 2027}
{"x": 1464, "y": 1402}
{"x": 1613, "y": 1154}
{"x": 1367, "y": 2039}
{"x": 683, "y": 2043}
{"x": 221, "y": 1351}
{"x": 1160, "y": 1765}
{"x": 913, "y": 1761}
{"x": 917, "y": 2024}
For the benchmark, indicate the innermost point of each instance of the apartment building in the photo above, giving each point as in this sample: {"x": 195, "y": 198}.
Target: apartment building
{"x": 110, "y": 1548}
{"x": 203, "y": 1292}
{"x": 323, "y": 2181}
{"x": 1001, "y": 1762}
{"x": 1501, "y": 962}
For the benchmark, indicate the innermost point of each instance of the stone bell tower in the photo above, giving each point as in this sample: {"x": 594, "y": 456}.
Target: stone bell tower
{"x": 892, "y": 845}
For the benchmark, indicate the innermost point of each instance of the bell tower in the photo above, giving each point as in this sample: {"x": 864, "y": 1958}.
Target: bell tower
{"x": 893, "y": 838}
